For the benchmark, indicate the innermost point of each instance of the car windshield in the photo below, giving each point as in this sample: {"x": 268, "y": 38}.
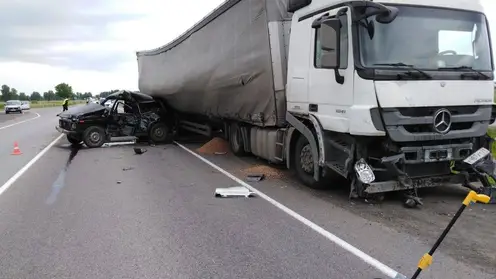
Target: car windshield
{"x": 428, "y": 38}
{"x": 10, "y": 103}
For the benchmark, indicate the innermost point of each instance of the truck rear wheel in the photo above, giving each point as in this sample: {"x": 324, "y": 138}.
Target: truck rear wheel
{"x": 94, "y": 136}
{"x": 304, "y": 166}
{"x": 236, "y": 140}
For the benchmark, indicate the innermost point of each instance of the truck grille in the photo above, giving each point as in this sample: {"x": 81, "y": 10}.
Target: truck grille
{"x": 417, "y": 124}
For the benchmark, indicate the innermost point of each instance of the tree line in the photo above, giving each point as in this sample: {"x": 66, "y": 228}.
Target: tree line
{"x": 61, "y": 91}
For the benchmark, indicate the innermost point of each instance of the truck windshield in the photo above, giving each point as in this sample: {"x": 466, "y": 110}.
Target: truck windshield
{"x": 428, "y": 39}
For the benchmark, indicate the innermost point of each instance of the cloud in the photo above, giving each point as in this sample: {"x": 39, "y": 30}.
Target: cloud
{"x": 32, "y": 30}
{"x": 91, "y": 44}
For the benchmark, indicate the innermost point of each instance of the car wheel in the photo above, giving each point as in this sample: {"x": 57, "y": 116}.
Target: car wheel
{"x": 159, "y": 132}
{"x": 74, "y": 139}
{"x": 6, "y": 112}
{"x": 94, "y": 136}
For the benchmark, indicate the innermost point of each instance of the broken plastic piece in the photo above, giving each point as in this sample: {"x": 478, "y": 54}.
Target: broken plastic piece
{"x": 139, "y": 151}
{"x": 237, "y": 191}
{"x": 255, "y": 177}
{"x": 220, "y": 153}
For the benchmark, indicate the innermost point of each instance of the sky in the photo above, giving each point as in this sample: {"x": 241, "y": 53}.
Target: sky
{"x": 92, "y": 44}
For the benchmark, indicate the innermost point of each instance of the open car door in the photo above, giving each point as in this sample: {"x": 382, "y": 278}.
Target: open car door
{"x": 124, "y": 119}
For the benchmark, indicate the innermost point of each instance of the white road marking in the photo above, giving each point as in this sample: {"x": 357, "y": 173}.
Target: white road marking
{"x": 16, "y": 176}
{"x": 391, "y": 273}
{"x": 20, "y": 122}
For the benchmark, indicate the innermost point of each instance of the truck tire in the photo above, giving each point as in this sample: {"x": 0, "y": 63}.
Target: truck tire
{"x": 159, "y": 132}
{"x": 236, "y": 140}
{"x": 94, "y": 136}
{"x": 74, "y": 139}
{"x": 303, "y": 166}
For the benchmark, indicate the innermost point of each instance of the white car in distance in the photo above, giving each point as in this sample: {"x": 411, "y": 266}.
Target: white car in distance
{"x": 13, "y": 106}
{"x": 25, "y": 105}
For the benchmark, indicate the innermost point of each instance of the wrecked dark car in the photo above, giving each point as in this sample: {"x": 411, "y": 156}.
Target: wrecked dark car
{"x": 122, "y": 116}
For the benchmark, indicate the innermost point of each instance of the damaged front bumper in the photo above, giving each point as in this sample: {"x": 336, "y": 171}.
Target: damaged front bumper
{"x": 395, "y": 165}
{"x": 64, "y": 131}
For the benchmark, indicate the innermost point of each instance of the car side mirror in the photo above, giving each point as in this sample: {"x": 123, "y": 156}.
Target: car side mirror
{"x": 329, "y": 32}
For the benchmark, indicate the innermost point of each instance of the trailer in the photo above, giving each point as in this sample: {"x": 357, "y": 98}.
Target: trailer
{"x": 377, "y": 93}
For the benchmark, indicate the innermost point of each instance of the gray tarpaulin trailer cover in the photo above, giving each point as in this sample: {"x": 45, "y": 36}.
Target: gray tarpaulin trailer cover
{"x": 223, "y": 66}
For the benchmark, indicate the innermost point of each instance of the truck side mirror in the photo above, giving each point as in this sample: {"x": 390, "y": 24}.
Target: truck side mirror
{"x": 329, "y": 32}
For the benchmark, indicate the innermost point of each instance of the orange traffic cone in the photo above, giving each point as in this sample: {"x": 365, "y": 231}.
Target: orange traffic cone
{"x": 16, "y": 151}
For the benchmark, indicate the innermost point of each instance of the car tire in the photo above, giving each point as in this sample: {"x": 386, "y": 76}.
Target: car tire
{"x": 304, "y": 170}
{"x": 94, "y": 136}
{"x": 74, "y": 139}
{"x": 159, "y": 132}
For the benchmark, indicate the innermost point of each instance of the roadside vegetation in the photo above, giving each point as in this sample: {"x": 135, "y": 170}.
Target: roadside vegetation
{"x": 50, "y": 98}
{"x": 46, "y": 104}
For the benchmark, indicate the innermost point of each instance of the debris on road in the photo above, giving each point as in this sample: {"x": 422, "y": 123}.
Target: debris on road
{"x": 216, "y": 145}
{"x": 231, "y": 192}
{"x": 119, "y": 182}
{"x": 269, "y": 172}
{"x": 255, "y": 177}
{"x": 139, "y": 151}
{"x": 127, "y": 169}
{"x": 220, "y": 153}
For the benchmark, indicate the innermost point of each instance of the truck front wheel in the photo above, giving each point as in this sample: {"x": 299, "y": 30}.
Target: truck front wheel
{"x": 304, "y": 166}
{"x": 94, "y": 136}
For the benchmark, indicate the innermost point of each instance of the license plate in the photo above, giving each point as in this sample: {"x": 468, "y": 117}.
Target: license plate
{"x": 476, "y": 156}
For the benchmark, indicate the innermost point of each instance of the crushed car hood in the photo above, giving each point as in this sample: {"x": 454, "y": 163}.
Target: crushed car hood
{"x": 88, "y": 109}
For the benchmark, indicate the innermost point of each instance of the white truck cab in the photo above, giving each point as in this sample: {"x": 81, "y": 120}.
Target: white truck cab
{"x": 405, "y": 85}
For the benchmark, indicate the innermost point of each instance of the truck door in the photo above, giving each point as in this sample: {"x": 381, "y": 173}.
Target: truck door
{"x": 329, "y": 100}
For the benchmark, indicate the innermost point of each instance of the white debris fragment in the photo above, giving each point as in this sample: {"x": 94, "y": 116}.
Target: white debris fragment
{"x": 237, "y": 191}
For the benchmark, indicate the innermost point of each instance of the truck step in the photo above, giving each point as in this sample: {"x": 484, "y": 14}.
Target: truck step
{"x": 341, "y": 146}
{"x": 337, "y": 167}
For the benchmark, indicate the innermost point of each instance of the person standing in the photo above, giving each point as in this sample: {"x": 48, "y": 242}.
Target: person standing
{"x": 65, "y": 105}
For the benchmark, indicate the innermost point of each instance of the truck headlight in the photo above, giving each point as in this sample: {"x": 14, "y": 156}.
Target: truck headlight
{"x": 364, "y": 171}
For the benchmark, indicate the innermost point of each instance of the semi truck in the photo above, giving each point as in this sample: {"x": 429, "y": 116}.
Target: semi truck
{"x": 390, "y": 95}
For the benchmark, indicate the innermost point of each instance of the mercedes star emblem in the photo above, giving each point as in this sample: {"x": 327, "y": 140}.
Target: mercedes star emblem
{"x": 442, "y": 121}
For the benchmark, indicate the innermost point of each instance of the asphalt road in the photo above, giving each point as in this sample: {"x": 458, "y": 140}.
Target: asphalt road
{"x": 108, "y": 213}
{"x": 32, "y": 131}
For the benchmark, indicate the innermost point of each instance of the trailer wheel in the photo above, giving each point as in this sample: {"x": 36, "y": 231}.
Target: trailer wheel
{"x": 236, "y": 140}
{"x": 94, "y": 136}
{"x": 304, "y": 167}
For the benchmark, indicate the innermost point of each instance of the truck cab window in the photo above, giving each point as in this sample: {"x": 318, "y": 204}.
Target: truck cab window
{"x": 344, "y": 45}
